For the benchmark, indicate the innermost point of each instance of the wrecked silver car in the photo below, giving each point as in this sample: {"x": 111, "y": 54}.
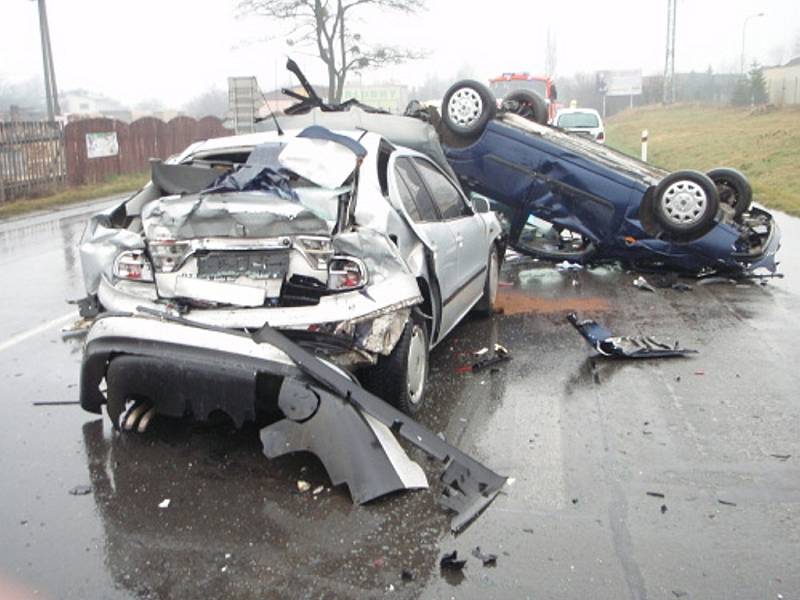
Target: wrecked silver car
{"x": 252, "y": 268}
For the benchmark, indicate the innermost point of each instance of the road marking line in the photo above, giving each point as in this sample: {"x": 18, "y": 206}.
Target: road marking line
{"x": 21, "y": 337}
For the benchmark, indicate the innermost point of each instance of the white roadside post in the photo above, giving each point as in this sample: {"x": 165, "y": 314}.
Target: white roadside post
{"x": 644, "y": 145}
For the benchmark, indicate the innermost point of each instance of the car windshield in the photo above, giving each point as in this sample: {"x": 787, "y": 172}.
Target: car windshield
{"x": 578, "y": 119}
{"x": 502, "y": 89}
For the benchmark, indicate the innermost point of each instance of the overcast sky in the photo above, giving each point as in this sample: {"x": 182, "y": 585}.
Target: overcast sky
{"x": 172, "y": 50}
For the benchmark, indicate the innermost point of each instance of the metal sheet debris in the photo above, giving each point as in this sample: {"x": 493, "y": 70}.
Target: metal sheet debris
{"x": 606, "y": 344}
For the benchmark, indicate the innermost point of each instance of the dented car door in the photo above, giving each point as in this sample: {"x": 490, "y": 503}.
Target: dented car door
{"x": 469, "y": 233}
{"x": 435, "y": 233}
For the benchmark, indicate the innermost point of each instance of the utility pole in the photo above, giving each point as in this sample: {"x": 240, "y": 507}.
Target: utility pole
{"x": 50, "y": 87}
{"x": 669, "y": 65}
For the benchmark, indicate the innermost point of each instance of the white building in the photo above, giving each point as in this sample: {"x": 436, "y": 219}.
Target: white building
{"x": 783, "y": 83}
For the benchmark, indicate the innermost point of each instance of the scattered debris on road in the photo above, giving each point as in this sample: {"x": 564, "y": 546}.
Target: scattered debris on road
{"x": 407, "y": 575}
{"x": 726, "y": 502}
{"x": 81, "y": 490}
{"x": 606, "y": 344}
{"x": 164, "y": 503}
{"x": 655, "y": 494}
{"x": 450, "y": 562}
{"x": 642, "y": 283}
{"x": 303, "y": 486}
{"x": 663, "y": 508}
{"x": 715, "y": 280}
{"x": 782, "y": 457}
{"x": 488, "y": 560}
{"x": 567, "y": 266}
{"x": 501, "y": 354}
{"x": 56, "y": 403}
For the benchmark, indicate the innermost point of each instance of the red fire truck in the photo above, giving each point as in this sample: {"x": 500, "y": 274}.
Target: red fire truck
{"x": 543, "y": 86}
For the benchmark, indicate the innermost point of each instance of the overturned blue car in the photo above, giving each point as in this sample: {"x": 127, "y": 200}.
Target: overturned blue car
{"x": 565, "y": 197}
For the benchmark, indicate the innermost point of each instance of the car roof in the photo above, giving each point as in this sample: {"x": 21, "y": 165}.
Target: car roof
{"x": 248, "y": 141}
{"x": 565, "y": 111}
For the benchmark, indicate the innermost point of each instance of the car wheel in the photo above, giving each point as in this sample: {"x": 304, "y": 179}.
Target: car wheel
{"x": 467, "y": 107}
{"x": 685, "y": 205}
{"x": 485, "y": 305}
{"x": 527, "y": 104}
{"x": 733, "y": 188}
{"x": 401, "y": 378}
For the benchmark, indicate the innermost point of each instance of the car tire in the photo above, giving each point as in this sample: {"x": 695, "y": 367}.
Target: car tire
{"x": 467, "y": 107}
{"x": 527, "y": 104}
{"x": 401, "y": 377}
{"x": 734, "y": 190}
{"x": 685, "y": 204}
{"x": 486, "y": 304}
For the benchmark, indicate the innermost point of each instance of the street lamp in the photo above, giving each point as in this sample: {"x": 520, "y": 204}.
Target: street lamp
{"x": 744, "y": 31}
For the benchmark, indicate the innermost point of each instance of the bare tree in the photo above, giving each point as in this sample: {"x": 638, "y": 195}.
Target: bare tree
{"x": 326, "y": 25}
{"x": 550, "y": 55}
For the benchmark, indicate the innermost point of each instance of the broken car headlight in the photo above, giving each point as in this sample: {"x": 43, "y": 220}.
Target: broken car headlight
{"x": 316, "y": 250}
{"x": 168, "y": 255}
{"x": 133, "y": 265}
{"x": 346, "y": 273}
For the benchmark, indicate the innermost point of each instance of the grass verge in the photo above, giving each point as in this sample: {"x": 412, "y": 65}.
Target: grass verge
{"x": 765, "y": 146}
{"x": 119, "y": 184}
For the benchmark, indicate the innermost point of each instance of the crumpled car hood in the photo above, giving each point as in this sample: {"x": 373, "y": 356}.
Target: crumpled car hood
{"x": 236, "y": 214}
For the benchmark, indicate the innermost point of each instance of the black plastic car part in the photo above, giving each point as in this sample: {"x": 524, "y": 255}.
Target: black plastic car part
{"x": 469, "y": 485}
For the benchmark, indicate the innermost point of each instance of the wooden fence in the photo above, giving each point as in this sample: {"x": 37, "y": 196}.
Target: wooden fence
{"x": 38, "y": 156}
{"x": 97, "y": 149}
{"x": 31, "y": 158}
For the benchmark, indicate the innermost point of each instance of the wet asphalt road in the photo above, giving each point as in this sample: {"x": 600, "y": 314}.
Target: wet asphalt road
{"x": 585, "y": 440}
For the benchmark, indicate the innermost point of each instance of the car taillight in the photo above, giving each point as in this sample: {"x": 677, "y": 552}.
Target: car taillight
{"x": 601, "y": 136}
{"x": 133, "y": 265}
{"x": 317, "y": 250}
{"x": 346, "y": 273}
{"x": 168, "y": 255}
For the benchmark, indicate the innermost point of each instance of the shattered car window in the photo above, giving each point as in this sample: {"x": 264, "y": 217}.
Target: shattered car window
{"x": 263, "y": 172}
{"x": 445, "y": 195}
{"x": 408, "y": 175}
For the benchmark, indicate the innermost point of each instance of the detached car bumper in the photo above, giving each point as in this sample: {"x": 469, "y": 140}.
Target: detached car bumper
{"x": 364, "y": 304}
{"x": 182, "y": 370}
{"x": 196, "y": 369}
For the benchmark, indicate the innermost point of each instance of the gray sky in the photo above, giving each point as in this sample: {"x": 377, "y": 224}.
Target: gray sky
{"x": 174, "y": 49}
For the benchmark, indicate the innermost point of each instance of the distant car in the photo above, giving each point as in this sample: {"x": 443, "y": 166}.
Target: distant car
{"x": 567, "y": 198}
{"x": 583, "y": 121}
{"x": 360, "y": 249}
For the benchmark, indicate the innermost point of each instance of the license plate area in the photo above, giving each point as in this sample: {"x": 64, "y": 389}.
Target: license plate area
{"x": 229, "y": 265}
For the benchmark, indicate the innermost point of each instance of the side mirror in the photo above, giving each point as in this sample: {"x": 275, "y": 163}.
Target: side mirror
{"x": 480, "y": 204}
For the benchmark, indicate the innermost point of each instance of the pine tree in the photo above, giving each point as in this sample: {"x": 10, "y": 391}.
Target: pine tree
{"x": 758, "y": 85}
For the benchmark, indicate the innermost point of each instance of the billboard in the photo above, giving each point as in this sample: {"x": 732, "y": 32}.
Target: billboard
{"x": 619, "y": 83}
